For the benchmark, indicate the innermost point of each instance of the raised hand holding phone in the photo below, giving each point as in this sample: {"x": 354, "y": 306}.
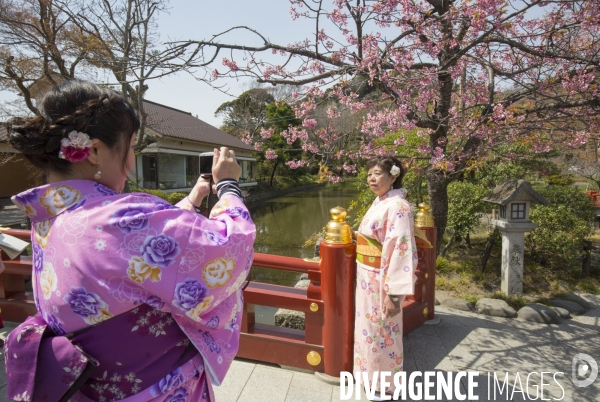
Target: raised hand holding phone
{"x": 225, "y": 165}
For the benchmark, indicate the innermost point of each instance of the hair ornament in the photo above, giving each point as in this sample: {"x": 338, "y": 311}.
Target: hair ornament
{"x": 395, "y": 170}
{"x": 76, "y": 148}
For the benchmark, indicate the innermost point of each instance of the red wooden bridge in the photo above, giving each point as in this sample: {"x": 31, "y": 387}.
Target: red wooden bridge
{"x": 326, "y": 343}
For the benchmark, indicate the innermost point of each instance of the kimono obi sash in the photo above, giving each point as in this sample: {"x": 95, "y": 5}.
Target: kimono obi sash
{"x": 110, "y": 360}
{"x": 368, "y": 251}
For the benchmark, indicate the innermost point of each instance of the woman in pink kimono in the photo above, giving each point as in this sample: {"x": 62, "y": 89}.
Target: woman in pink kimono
{"x": 386, "y": 262}
{"x": 140, "y": 300}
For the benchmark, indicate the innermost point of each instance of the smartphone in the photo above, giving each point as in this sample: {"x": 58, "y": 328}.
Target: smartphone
{"x": 206, "y": 163}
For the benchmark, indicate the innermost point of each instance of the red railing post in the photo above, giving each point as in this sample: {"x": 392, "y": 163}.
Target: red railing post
{"x": 427, "y": 257}
{"x": 338, "y": 276}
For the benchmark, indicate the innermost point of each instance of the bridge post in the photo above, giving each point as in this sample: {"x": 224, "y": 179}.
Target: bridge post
{"x": 338, "y": 276}
{"x": 427, "y": 255}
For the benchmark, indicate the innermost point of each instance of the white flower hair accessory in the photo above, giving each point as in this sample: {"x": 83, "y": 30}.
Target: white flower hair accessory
{"x": 395, "y": 170}
{"x": 76, "y": 148}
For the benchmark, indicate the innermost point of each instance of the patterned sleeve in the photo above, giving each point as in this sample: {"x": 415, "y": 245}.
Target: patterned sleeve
{"x": 207, "y": 301}
{"x": 399, "y": 254}
{"x": 194, "y": 267}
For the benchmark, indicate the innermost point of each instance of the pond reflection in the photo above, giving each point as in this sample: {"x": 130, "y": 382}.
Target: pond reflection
{"x": 284, "y": 224}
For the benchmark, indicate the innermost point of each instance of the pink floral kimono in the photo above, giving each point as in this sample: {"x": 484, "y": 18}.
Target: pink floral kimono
{"x": 170, "y": 275}
{"x": 386, "y": 262}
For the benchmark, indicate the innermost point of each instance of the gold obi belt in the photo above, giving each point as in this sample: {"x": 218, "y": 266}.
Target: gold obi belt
{"x": 368, "y": 251}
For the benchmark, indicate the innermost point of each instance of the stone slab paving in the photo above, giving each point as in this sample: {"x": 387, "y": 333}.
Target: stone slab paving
{"x": 463, "y": 341}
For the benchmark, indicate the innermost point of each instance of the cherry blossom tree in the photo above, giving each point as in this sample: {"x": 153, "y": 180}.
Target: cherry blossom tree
{"x": 470, "y": 76}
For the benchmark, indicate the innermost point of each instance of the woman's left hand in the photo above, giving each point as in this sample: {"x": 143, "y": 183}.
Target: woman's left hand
{"x": 200, "y": 190}
{"x": 390, "y": 308}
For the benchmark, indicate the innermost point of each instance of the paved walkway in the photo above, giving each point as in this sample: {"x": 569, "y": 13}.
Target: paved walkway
{"x": 461, "y": 342}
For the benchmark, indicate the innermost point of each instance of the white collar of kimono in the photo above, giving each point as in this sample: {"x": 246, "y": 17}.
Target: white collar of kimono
{"x": 395, "y": 192}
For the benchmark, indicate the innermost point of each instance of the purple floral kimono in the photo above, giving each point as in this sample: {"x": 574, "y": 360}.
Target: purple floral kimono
{"x": 173, "y": 276}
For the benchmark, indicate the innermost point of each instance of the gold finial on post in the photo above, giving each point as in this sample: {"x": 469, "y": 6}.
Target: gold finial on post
{"x": 424, "y": 218}
{"x": 338, "y": 231}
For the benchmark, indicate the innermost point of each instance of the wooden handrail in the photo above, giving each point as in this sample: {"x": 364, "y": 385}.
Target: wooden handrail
{"x": 283, "y": 263}
{"x": 18, "y": 233}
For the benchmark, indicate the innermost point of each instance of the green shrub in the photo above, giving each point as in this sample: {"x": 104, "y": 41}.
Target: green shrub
{"x": 464, "y": 206}
{"x": 471, "y": 299}
{"x": 578, "y": 202}
{"x": 441, "y": 264}
{"x": 588, "y": 286}
{"x": 158, "y": 193}
{"x": 559, "y": 180}
{"x": 174, "y": 198}
{"x": 558, "y": 237}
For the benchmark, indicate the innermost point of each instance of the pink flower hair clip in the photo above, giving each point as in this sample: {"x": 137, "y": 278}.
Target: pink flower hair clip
{"x": 76, "y": 148}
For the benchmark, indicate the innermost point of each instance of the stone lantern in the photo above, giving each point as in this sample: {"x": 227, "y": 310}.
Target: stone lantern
{"x": 514, "y": 199}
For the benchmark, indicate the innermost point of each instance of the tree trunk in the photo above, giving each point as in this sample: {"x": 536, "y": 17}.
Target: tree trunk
{"x": 488, "y": 248}
{"x": 446, "y": 247}
{"x": 587, "y": 258}
{"x": 437, "y": 189}
{"x": 273, "y": 173}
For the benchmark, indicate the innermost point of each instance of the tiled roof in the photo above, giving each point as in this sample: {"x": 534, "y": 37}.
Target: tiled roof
{"x": 175, "y": 123}
{"x": 506, "y": 191}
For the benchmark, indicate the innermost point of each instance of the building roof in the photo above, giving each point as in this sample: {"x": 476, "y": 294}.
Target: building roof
{"x": 507, "y": 191}
{"x": 170, "y": 122}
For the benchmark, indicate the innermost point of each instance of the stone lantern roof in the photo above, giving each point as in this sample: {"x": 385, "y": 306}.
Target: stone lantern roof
{"x": 514, "y": 190}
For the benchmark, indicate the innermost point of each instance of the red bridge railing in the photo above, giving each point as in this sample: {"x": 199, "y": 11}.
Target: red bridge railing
{"x": 326, "y": 342}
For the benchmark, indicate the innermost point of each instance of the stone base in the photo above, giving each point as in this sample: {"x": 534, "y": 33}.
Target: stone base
{"x": 328, "y": 378}
{"x": 434, "y": 321}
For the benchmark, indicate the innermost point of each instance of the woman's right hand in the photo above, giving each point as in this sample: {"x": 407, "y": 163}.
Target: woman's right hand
{"x": 225, "y": 165}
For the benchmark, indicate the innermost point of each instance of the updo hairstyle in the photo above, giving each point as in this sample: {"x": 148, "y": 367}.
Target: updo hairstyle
{"x": 386, "y": 163}
{"x": 74, "y": 106}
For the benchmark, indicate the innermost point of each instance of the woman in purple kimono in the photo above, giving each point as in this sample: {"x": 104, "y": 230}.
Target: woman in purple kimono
{"x": 386, "y": 262}
{"x": 148, "y": 294}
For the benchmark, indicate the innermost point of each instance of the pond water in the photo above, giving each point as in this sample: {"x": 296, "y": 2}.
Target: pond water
{"x": 284, "y": 224}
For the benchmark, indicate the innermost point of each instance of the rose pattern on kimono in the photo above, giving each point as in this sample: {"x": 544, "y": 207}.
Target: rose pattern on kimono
{"x": 38, "y": 258}
{"x": 179, "y": 395}
{"x": 166, "y": 384}
{"x": 97, "y": 253}
{"x": 24, "y": 200}
{"x": 216, "y": 238}
{"x": 237, "y": 211}
{"x": 155, "y": 302}
{"x": 54, "y": 323}
{"x": 58, "y": 198}
{"x": 48, "y": 280}
{"x": 41, "y": 232}
{"x": 70, "y": 230}
{"x": 131, "y": 217}
{"x": 192, "y": 259}
{"x": 189, "y": 293}
{"x": 235, "y": 246}
{"x": 87, "y": 305}
{"x": 132, "y": 244}
{"x": 160, "y": 250}
{"x": 218, "y": 272}
{"x": 201, "y": 307}
{"x": 139, "y": 270}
